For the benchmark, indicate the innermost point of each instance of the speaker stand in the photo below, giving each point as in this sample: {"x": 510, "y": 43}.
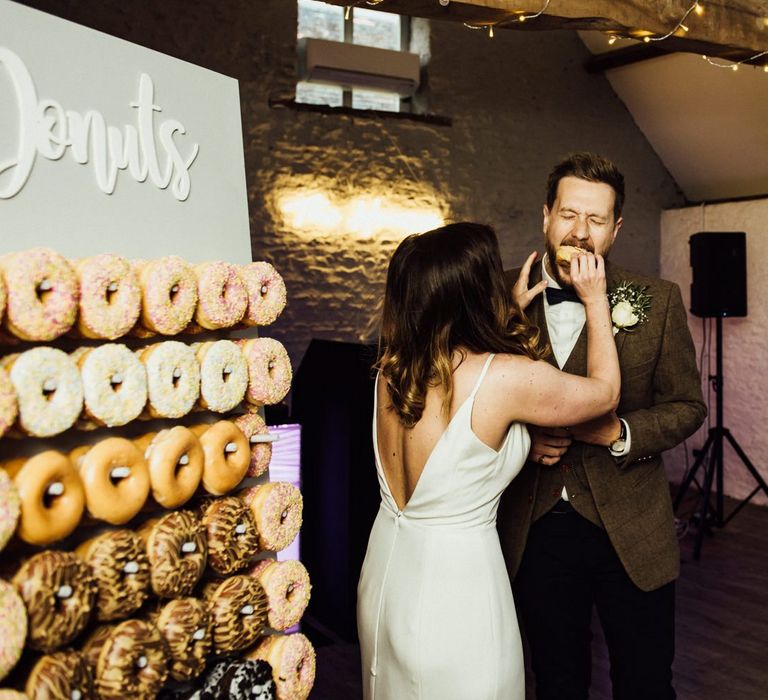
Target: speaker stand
{"x": 711, "y": 460}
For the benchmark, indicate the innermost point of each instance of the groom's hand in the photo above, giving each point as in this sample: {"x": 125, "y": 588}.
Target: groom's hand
{"x": 548, "y": 445}
{"x": 598, "y": 431}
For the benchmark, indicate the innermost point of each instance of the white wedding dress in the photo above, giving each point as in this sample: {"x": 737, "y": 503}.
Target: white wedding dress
{"x": 435, "y": 614}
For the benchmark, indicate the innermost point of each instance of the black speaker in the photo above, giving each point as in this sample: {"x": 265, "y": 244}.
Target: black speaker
{"x": 719, "y": 283}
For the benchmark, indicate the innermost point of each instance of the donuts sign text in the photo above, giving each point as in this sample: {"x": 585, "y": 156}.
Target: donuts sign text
{"x": 46, "y": 128}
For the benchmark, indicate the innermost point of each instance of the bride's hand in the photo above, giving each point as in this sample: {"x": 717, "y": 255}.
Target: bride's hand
{"x": 588, "y": 277}
{"x": 520, "y": 292}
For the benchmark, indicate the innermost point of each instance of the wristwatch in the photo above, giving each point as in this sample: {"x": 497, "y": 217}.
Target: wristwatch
{"x": 620, "y": 443}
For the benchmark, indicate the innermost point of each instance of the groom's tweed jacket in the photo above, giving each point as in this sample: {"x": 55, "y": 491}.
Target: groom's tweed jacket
{"x": 661, "y": 402}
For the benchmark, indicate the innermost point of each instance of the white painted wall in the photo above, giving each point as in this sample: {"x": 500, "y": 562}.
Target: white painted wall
{"x": 745, "y": 340}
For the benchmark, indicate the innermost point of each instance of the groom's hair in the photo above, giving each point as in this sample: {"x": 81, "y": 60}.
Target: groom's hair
{"x": 593, "y": 168}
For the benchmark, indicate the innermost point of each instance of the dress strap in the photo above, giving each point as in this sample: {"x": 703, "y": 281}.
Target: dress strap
{"x": 482, "y": 375}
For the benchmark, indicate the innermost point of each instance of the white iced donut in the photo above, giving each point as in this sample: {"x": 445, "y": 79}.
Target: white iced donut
{"x": 269, "y": 370}
{"x": 266, "y": 293}
{"x": 110, "y": 296}
{"x": 42, "y": 294}
{"x": 169, "y": 294}
{"x": 114, "y": 384}
{"x": 48, "y": 388}
{"x": 221, "y": 296}
{"x": 9, "y": 407}
{"x": 223, "y": 375}
{"x": 173, "y": 378}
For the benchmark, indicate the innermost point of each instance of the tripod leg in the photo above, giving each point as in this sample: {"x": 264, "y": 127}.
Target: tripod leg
{"x": 706, "y": 493}
{"x": 684, "y": 486}
{"x": 761, "y": 485}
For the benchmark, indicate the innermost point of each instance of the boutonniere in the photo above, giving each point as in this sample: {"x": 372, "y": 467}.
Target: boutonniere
{"x": 629, "y": 306}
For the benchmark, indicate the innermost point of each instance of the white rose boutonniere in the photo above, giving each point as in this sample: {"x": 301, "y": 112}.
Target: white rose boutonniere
{"x": 629, "y": 306}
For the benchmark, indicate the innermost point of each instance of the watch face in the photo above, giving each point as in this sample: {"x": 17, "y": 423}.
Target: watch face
{"x": 619, "y": 445}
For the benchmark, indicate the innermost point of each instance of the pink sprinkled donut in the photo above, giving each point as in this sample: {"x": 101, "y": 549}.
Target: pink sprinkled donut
{"x": 43, "y": 294}
{"x": 292, "y": 658}
{"x": 3, "y": 294}
{"x": 13, "y": 627}
{"x": 269, "y": 370}
{"x": 287, "y": 586}
{"x": 169, "y": 294}
{"x": 252, "y": 426}
{"x": 221, "y": 296}
{"x": 110, "y": 296}
{"x": 9, "y": 407}
{"x": 277, "y": 508}
{"x": 266, "y": 293}
{"x": 10, "y": 509}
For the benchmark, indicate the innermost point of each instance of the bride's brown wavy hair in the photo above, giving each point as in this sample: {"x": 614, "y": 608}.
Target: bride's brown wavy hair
{"x": 445, "y": 291}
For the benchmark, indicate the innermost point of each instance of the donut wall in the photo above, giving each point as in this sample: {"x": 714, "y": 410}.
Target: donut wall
{"x": 138, "y": 525}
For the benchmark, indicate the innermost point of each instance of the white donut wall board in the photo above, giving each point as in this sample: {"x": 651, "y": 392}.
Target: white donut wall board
{"x": 106, "y": 146}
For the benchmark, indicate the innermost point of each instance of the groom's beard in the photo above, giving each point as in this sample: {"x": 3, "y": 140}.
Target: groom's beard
{"x": 556, "y": 271}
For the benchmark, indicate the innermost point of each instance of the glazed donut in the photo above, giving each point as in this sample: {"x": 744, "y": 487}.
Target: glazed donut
{"x": 121, "y": 569}
{"x": 9, "y": 407}
{"x": 223, "y": 375}
{"x": 252, "y": 426}
{"x": 114, "y": 384}
{"x": 169, "y": 294}
{"x": 9, "y": 694}
{"x": 58, "y": 591}
{"x": 186, "y": 626}
{"x": 239, "y": 612}
{"x": 269, "y": 370}
{"x": 227, "y": 456}
{"x": 13, "y": 627}
{"x": 277, "y": 508}
{"x": 266, "y": 293}
{"x": 51, "y": 494}
{"x": 10, "y": 508}
{"x": 64, "y": 674}
{"x": 115, "y": 477}
{"x": 177, "y": 550}
{"x": 287, "y": 586}
{"x": 132, "y": 661}
{"x": 110, "y": 296}
{"x": 221, "y": 295}
{"x": 48, "y": 388}
{"x": 232, "y": 535}
{"x": 292, "y": 658}
{"x": 42, "y": 294}
{"x": 173, "y": 378}
{"x": 175, "y": 459}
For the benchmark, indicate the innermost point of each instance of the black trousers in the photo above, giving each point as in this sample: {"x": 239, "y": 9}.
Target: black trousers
{"x": 569, "y": 565}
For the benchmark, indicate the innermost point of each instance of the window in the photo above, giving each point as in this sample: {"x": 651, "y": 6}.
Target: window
{"x": 361, "y": 27}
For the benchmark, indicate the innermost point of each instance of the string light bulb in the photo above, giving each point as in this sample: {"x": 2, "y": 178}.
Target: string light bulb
{"x": 346, "y": 12}
{"x": 699, "y": 9}
{"x": 647, "y": 39}
{"x": 765, "y": 68}
{"x": 612, "y": 39}
{"x": 683, "y": 27}
{"x": 490, "y": 32}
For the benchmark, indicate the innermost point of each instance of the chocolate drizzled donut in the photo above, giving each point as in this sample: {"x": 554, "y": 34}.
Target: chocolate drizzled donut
{"x": 58, "y": 590}
{"x": 239, "y": 611}
{"x": 187, "y": 628}
{"x": 64, "y": 674}
{"x": 232, "y": 535}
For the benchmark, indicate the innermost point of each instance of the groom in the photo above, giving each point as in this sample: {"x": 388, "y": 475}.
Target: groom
{"x": 589, "y": 521}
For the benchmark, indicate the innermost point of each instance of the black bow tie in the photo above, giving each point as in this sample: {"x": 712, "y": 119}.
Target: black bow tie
{"x": 555, "y": 296}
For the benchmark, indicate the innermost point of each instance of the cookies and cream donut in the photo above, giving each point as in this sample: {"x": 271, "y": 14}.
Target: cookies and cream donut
{"x": 110, "y": 296}
{"x": 287, "y": 586}
{"x": 239, "y": 611}
{"x": 185, "y": 624}
{"x": 42, "y": 294}
{"x": 277, "y": 508}
{"x": 175, "y": 459}
{"x": 177, "y": 550}
{"x": 10, "y": 508}
{"x": 120, "y": 566}
{"x": 114, "y": 384}
{"x": 9, "y": 406}
{"x": 293, "y": 660}
{"x": 48, "y": 389}
{"x": 269, "y": 370}
{"x": 58, "y": 590}
{"x": 266, "y": 293}
{"x": 247, "y": 679}
{"x": 13, "y": 627}
{"x": 227, "y": 456}
{"x": 173, "y": 378}
{"x": 221, "y": 295}
{"x": 132, "y": 661}
{"x": 115, "y": 477}
{"x": 253, "y": 427}
{"x": 169, "y": 294}
{"x": 231, "y": 532}
{"x": 64, "y": 674}
{"x": 223, "y": 375}
{"x": 51, "y": 494}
